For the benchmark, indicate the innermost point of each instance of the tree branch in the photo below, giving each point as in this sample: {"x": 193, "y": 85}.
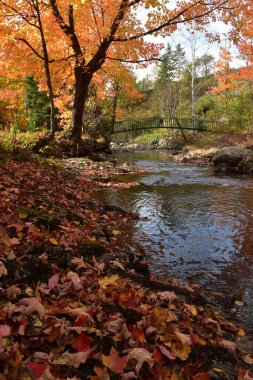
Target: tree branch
{"x": 30, "y": 47}
{"x": 152, "y": 59}
{"x": 96, "y": 23}
{"x": 174, "y": 20}
{"x": 67, "y": 29}
{"x": 71, "y": 19}
{"x": 99, "y": 57}
{"x": 134, "y": 2}
{"x": 24, "y": 17}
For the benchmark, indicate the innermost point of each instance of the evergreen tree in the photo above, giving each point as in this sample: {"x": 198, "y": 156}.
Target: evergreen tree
{"x": 168, "y": 83}
{"x": 37, "y": 105}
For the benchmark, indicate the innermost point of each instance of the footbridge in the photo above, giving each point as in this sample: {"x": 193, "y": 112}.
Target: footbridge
{"x": 170, "y": 122}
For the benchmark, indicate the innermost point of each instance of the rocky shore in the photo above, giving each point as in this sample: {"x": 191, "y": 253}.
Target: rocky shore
{"x": 229, "y": 160}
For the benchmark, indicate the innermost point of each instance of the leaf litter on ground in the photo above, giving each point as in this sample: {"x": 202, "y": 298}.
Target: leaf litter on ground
{"x": 68, "y": 309}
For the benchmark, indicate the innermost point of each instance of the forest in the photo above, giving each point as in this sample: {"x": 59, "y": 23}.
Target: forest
{"x": 126, "y": 255}
{"x": 40, "y": 77}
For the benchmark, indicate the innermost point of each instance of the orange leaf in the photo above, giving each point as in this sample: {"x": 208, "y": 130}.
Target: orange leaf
{"x": 114, "y": 362}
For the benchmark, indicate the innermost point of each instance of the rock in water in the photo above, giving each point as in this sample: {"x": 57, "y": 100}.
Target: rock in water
{"x": 234, "y": 160}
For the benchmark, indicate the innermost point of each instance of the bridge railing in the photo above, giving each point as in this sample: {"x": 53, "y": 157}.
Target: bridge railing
{"x": 169, "y": 122}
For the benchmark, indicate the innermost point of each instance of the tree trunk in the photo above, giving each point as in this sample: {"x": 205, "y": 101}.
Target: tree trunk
{"x": 83, "y": 80}
{"x": 53, "y": 124}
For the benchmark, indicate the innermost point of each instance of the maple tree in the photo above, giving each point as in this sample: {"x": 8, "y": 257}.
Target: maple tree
{"x": 24, "y": 28}
{"x": 224, "y": 75}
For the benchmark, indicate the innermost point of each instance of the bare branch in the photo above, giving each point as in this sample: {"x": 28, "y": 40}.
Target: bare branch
{"x": 134, "y": 2}
{"x": 174, "y": 20}
{"x": 152, "y": 59}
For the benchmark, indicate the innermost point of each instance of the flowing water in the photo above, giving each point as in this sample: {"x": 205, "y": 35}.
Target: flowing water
{"x": 195, "y": 225}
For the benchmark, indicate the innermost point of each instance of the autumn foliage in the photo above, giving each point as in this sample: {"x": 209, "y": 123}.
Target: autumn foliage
{"x": 73, "y": 307}
{"x": 69, "y": 44}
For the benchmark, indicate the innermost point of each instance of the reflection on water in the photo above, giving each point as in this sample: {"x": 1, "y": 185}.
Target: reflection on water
{"x": 199, "y": 226}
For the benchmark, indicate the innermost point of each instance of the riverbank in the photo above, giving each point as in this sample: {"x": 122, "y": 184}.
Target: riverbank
{"x": 75, "y": 305}
{"x": 199, "y": 150}
{"x": 187, "y": 154}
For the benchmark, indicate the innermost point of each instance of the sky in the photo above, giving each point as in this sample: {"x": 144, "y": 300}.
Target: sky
{"x": 203, "y": 46}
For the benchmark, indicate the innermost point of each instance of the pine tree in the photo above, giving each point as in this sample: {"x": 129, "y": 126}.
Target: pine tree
{"x": 37, "y": 105}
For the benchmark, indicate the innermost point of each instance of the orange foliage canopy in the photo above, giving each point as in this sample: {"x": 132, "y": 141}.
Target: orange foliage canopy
{"x": 90, "y": 39}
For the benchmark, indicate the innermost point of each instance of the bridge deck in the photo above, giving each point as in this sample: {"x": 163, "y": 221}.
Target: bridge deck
{"x": 164, "y": 122}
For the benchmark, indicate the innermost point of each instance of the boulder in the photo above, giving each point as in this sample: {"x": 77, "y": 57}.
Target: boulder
{"x": 229, "y": 159}
{"x": 246, "y": 164}
{"x": 165, "y": 142}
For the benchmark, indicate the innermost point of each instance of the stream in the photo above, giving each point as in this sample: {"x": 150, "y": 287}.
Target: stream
{"x": 194, "y": 225}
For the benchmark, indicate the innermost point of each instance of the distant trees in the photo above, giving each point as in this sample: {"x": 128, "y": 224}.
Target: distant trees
{"x": 170, "y": 93}
{"x": 168, "y": 85}
{"x": 37, "y": 105}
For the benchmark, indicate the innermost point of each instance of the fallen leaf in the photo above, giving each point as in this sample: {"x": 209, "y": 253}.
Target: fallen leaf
{"x": 5, "y": 331}
{"x": 76, "y": 359}
{"x": 114, "y": 362}
{"x": 167, "y": 296}
{"x": 166, "y": 352}
{"x": 104, "y": 282}
{"x": 248, "y": 359}
{"x": 27, "y": 306}
{"x": 115, "y": 232}
{"x": 117, "y": 264}
{"x": 53, "y": 282}
{"x": 182, "y": 351}
{"x": 157, "y": 356}
{"x": 22, "y": 215}
{"x": 240, "y": 332}
{"x": 75, "y": 279}
{"x": 239, "y": 303}
{"x": 138, "y": 334}
{"x": 37, "y": 369}
{"x": 184, "y": 338}
{"x": 3, "y": 270}
{"x": 141, "y": 355}
{"x": 81, "y": 343}
{"x": 53, "y": 241}
{"x": 102, "y": 373}
{"x": 228, "y": 344}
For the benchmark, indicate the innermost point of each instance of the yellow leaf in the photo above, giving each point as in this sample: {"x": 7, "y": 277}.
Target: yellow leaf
{"x": 4, "y": 341}
{"x": 22, "y": 215}
{"x": 60, "y": 360}
{"x": 37, "y": 323}
{"x": 248, "y": 359}
{"x": 202, "y": 341}
{"x": 19, "y": 235}
{"x": 194, "y": 310}
{"x": 181, "y": 351}
{"x": 53, "y": 241}
{"x": 104, "y": 282}
{"x": 240, "y": 332}
{"x": 115, "y": 232}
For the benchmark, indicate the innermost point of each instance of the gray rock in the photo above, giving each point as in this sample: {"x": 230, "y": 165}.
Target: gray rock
{"x": 165, "y": 142}
{"x": 246, "y": 164}
{"x": 229, "y": 159}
